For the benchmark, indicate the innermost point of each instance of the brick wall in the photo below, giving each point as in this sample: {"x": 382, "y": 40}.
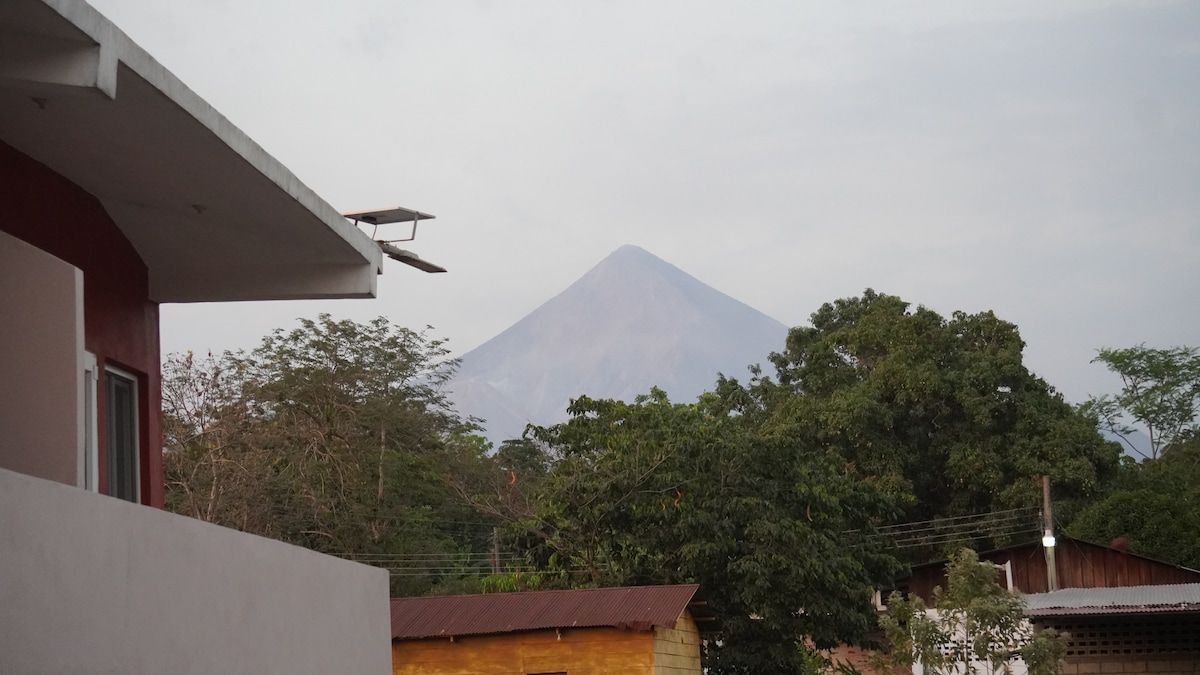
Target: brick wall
{"x": 861, "y": 660}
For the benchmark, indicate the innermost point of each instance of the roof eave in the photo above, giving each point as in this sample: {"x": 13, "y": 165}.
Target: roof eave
{"x": 213, "y": 216}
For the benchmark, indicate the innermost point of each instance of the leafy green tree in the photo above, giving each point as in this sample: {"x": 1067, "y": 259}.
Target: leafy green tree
{"x": 976, "y": 622}
{"x": 778, "y": 533}
{"x": 1155, "y": 506}
{"x": 335, "y": 436}
{"x": 941, "y": 414}
{"x": 524, "y": 458}
{"x": 1160, "y": 391}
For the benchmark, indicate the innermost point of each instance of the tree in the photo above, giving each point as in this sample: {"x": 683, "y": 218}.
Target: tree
{"x": 209, "y": 474}
{"x": 777, "y": 533}
{"x": 335, "y": 436}
{"x": 941, "y": 414}
{"x": 1160, "y": 391}
{"x": 975, "y": 622}
{"x": 1155, "y": 506}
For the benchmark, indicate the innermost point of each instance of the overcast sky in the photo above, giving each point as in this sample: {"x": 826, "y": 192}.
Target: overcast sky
{"x": 1040, "y": 159}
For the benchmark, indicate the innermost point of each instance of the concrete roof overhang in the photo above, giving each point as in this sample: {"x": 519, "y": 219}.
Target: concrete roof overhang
{"x": 213, "y": 216}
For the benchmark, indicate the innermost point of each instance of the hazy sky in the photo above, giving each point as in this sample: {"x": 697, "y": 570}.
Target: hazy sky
{"x": 1040, "y": 159}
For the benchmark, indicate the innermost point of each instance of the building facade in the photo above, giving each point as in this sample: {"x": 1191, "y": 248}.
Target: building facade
{"x": 123, "y": 190}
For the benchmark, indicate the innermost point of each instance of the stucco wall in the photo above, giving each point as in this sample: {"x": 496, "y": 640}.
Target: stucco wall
{"x": 41, "y": 342}
{"x": 92, "y": 584}
{"x": 120, "y": 322}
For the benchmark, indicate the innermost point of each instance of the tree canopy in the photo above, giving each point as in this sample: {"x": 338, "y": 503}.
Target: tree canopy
{"x": 940, "y": 414}
{"x": 1160, "y": 391}
{"x": 1154, "y": 506}
{"x": 334, "y": 436}
{"x": 771, "y": 494}
{"x": 778, "y": 534}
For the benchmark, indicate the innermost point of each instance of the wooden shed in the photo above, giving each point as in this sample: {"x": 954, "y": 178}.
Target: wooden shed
{"x": 1078, "y": 564}
{"x": 1132, "y": 629}
{"x": 655, "y": 630}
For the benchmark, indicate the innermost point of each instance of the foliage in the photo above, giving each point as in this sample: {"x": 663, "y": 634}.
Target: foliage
{"x": 777, "y": 533}
{"x": 512, "y": 582}
{"x": 942, "y": 415}
{"x": 1160, "y": 391}
{"x": 976, "y": 622}
{"x": 1156, "y": 508}
{"x": 334, "y": 436}
{"x": 768, "y": 493}
{"x": 205, "y": 461}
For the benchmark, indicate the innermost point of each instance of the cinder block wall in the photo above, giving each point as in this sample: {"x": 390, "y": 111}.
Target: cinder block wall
{"x": 1179, "y": 665}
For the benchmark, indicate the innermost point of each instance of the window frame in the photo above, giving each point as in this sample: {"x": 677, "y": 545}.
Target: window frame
{"x": 90, "y": 462}
{"x": 113, "y": 488}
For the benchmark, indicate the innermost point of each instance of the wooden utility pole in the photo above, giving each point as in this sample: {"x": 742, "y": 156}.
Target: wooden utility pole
{"x": 1048, "y": 536}
{"x": 495, "y": 550}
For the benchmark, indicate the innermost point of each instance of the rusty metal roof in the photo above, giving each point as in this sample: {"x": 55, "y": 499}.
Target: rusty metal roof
{"x": 631, "y": 608}
{"x": 1123, "y": 600}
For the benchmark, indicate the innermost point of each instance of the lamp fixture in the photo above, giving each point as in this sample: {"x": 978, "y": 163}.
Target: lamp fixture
{"x": 408, "y": 258}
{"x": 398, "y": 214}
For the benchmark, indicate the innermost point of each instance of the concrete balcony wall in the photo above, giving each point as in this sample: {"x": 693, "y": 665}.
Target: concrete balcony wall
{"x": 41, "y": 352}
{"x": 92, "y": 584}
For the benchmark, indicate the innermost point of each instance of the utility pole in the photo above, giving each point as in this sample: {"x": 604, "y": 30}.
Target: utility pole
{"x": 1048, "y": 541}
{"x": 495, "y": 551}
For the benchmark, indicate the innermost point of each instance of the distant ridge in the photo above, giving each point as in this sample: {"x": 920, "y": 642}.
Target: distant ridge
{"x": 632, "y": 322}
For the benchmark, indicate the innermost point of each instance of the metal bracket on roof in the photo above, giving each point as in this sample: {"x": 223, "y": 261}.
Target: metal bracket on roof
{"x": 396, "y": 215}
{"x": 411, "y": 235}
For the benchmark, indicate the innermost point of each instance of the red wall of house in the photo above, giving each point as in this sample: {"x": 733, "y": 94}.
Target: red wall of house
{"x": 120, "y": 322}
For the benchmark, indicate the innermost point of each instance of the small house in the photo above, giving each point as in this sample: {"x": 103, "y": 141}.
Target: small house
{"x": 1086, "y": 573}
{"x": 651, "y": 630}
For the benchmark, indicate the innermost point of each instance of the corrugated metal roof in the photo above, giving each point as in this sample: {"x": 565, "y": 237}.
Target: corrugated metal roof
{"x": 1123, "y": 600}
{"x": 631, "y": 608}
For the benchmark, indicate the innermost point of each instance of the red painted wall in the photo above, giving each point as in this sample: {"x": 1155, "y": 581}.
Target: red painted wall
{"x": 120, "y": 322}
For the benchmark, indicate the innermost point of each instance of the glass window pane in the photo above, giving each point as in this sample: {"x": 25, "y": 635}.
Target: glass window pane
{"x": 122, "y": 436}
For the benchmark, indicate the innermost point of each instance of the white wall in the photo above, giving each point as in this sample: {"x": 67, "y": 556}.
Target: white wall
{"x": 1016, "y": 665}
{"x": 92, "y": 584}
{"x": 41, "y": 352}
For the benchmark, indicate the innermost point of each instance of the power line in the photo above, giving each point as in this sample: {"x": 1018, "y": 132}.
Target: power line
{"x": 952, "y": 520}
{"x": 961, "y": 528}
{"x": 931, "y": 532}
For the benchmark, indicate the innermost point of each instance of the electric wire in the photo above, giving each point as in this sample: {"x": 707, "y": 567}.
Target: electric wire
{"x": 933, "y": 532}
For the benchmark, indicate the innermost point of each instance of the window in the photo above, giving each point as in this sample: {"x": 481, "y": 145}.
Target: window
{"x": 120, "y": 390}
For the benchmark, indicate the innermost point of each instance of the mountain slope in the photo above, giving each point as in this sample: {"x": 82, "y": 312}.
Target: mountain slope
{"x": 632, "y": 322}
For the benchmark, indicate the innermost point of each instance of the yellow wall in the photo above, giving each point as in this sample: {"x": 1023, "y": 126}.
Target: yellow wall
{"x": 677, "y": 650}
{"x": 579, "y": 651}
